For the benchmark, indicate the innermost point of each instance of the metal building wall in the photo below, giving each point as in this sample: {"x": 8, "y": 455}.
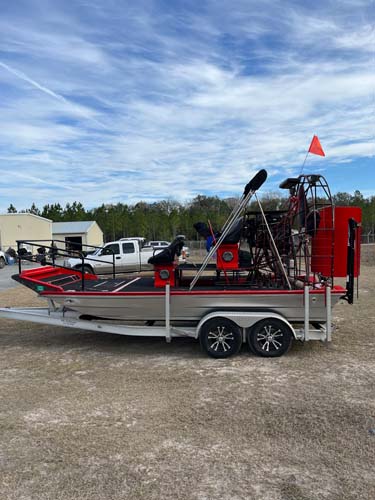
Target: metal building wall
{"x": 15, "y": 227}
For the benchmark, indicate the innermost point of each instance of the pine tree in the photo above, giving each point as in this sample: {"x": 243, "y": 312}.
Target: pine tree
{"x": 34, "y": 209}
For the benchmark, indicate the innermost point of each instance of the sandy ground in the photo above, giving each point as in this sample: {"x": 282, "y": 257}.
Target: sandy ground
{"x": 368, "y": 254}
{"x": 96, "y": 416}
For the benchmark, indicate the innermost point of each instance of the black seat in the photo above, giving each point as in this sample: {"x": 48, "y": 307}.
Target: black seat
{"x": 234, "y": 234}
{"x": 202, "y": 229}
{"x": 168, "y": 254}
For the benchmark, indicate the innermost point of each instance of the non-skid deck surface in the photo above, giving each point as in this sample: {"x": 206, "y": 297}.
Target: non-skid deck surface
{"x": 74, "y": 283}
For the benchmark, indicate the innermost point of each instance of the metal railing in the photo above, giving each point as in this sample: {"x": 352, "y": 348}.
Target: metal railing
{"x": 368, "y": 238}
{"x": 49, "y": 254}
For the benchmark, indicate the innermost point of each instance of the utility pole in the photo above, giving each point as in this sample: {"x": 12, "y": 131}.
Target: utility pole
{"x": 108, "y": 207}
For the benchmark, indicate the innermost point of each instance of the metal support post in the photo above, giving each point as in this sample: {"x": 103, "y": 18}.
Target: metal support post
{"x": 306, "y": 297}
{"x": 19, "y": 257}
{"x": 83, "y": 272}
{"x": 167, "y": 312}
{"x": 282, "y": 268}
{"x": 328, "y": 315}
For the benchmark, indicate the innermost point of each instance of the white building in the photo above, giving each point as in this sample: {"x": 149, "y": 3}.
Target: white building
{"x": 24, "y": 226}
{"x": 72, "y": 235}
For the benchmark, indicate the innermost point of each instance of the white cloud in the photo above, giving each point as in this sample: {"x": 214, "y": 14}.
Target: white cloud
{"x": 135, "y": 105}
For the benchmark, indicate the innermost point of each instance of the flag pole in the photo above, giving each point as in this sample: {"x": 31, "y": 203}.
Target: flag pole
{"x": 303, "y": 164}
{"x": 315, "y": 148}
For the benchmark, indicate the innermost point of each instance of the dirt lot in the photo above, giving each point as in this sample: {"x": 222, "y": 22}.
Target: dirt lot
{"x": 96, "y": 417}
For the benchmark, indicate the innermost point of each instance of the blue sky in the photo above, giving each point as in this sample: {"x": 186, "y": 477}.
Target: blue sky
{"x": 114, "y": 101}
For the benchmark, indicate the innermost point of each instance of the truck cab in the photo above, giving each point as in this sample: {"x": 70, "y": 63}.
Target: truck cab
{"x": 125, "y": 255}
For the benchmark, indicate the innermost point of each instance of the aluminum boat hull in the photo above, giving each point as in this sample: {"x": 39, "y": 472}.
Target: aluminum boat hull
{"x": 192, "y": 306}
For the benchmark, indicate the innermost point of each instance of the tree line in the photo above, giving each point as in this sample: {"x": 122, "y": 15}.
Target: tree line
{"x": 165, "y": 219}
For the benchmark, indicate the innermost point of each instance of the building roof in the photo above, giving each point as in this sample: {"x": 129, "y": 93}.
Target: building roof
{"x": 24, "y": 214}
{"x": 77, "y": 227}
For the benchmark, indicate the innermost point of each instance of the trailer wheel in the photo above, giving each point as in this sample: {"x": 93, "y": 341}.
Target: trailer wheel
{"x": 270, "y": 338}
{"x": 220, "y": 338}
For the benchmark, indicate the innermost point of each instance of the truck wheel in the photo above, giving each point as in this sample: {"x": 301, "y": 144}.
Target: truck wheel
{"x": 2, "y": 262}
{"x": 86, "y": 269}
{"x": 270, "y": 338}
{"x": 220, "y": 338}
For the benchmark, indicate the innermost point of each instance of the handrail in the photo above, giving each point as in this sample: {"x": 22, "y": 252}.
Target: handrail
{"x": 54, "y": 251}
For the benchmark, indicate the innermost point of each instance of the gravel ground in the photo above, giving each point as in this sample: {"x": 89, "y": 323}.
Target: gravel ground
{"x": 98, "y": 416}
{"x": 5, "y": 274}
{"x": 368, "y": 254}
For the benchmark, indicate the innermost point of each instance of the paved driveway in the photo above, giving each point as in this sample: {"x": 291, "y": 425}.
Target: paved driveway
{"x": 6, "y": 281}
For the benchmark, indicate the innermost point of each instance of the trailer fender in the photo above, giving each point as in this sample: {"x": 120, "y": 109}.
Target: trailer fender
{"x": 244, "y": 320}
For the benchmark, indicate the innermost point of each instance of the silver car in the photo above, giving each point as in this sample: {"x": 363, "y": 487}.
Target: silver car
{"x": 163, "y": 244}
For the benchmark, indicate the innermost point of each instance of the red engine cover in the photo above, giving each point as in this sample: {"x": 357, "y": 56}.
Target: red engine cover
{"x": 329, "y": 249}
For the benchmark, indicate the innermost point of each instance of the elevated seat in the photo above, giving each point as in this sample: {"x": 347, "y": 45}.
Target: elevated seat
{"x": 165, "y": 263}
{"x": 168, "y": 254}
{"x": 228, "y": 252}
{"x": 234, "y": 234}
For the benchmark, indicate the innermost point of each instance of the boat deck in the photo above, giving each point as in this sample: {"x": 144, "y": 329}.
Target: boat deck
{"x": 61, "y": 281}
{"x": 74, "y": 283}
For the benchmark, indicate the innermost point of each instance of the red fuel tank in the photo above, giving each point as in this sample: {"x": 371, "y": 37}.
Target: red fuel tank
{"x": 329, "y": 247}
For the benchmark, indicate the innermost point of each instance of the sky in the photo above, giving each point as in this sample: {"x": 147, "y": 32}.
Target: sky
{"x": 122, "y": 101}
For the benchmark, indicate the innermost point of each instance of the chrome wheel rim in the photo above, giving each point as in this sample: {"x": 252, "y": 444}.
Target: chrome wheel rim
{"x": 220, "y": 340}
{"x": 270, "y": 339}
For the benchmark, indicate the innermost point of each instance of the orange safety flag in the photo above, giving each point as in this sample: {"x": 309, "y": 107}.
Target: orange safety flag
{"x": 315, "y": 147}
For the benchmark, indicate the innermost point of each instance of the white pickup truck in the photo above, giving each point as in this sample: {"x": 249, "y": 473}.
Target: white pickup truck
{"x": 127, "y": 255}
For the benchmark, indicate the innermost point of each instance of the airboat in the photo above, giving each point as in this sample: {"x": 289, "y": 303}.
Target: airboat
{"x": 268, "y": 278}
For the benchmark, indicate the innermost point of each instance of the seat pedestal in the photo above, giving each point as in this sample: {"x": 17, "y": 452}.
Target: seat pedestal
{"x": 228, "y": 257}
{"x": 165, "y": 273}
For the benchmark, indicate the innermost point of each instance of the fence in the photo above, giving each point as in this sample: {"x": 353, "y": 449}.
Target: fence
{"x": 368, "y": 237}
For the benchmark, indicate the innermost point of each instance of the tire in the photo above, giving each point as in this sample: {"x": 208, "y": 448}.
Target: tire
{"x": 220, "y": 338}
{"x": 86, "y": 269}
{"x": 270, "y": 338}
{"x": 2, "y": 262}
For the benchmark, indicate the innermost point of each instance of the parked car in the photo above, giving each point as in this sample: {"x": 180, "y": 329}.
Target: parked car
{"x": 163, "y": 244}
{"x": 157, "y": 244}
{"x": 3, "y": 260}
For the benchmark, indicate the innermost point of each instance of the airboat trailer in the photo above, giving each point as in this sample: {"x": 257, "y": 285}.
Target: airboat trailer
{"x": 278, "y": 288}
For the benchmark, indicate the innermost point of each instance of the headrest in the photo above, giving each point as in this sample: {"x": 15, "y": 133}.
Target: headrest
{"x": 202, "y": 229}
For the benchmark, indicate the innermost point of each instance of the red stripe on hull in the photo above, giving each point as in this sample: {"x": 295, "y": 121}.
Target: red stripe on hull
{"x": 336, "y": 290}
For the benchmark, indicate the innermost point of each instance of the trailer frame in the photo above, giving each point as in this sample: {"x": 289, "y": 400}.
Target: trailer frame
{"x": 245, "y": 320}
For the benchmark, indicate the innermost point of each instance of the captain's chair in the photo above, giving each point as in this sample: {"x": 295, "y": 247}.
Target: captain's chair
{"x": 228, "y": 257}
{"x": 165, "y": 263}
{"x": 168, "y": 254}
{"x": 234, "y": 234}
